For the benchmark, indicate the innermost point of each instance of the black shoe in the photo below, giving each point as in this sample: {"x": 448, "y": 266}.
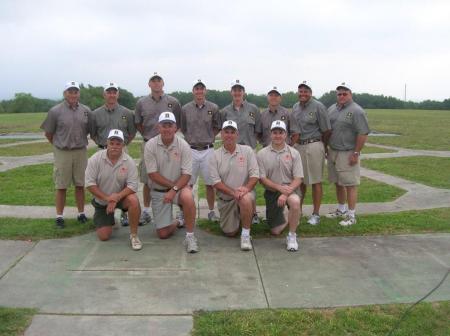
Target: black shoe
{"x": 60, "y": 223}
{"x": 82, "y": 218}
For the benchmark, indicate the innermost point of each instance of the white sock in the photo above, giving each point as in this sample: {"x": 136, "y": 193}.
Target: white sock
{"x": 80, "y": 213}
{"x": 189, "y": 234}
{"x": 342, "y": 207}
{"x": 292, "y": 234}
{"x": 59, "y": 216}
{"x": 146, "y": 209}
{"x": 351, "y": 212}
{"x": 245, "y": 232}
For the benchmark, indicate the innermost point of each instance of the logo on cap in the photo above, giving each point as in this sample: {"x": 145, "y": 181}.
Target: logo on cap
{"x": 72, "y": 83}
{"x": 167, "y": 115}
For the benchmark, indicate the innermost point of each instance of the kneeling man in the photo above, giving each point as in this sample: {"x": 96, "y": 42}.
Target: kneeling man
{"x": 281, "y": 172}
{"x": 234, "y": 173}
{"x": 112, "y": 177}
{"x": 168, "y": 160}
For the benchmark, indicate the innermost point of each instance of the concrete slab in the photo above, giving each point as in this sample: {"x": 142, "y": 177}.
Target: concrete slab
{"x": 347, "y": 271}
{"x": 11, "y": 251}
{"x": 56, "y": 325}
{"x": 84, "y": 276}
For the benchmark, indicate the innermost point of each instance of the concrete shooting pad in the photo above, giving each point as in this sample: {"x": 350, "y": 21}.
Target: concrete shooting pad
{"x": 11, "y": 251}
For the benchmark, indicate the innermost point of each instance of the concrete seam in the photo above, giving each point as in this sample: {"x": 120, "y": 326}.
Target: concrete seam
{"x": 261, "y": 278}
{"x": 18, "y": 260}
{"x": 43, "y": 313}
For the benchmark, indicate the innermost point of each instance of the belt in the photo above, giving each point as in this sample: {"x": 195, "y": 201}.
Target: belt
{"x": 101, "y": 146}
{"x": 200, "y": 148}
{"x": 162, "y": 190}
{"x": 308, "y": 141}
{"x": 145, "y": 140}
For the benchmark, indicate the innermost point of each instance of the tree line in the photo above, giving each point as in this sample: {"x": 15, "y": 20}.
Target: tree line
{"x": 92, "y": 96}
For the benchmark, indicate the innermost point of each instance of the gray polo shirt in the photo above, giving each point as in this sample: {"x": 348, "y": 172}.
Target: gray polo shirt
{"x": 70, "y": 127}
{"x": 104, "y": 120}
{"x": 312, "y": 119}
{"x": 268, "y": 116}
{"x": 148, "y": 110}
{"x": 233, "y": 169}
{"x": 279, "y": 166}
{"x": 248, "y": 119}
{"x": 347, "y": 122}
{"x": 198, "y": 123}
{"x": 109, "y": 177}
{"x": 170, "y": 161}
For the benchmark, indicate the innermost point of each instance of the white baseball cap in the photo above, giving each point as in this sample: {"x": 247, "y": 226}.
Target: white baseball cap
{"x": 115, "y": 133}
{"x": 155, "y": 75}
{"x": 344, "y": 86}
{"x": 229, "y": 123}
{"x": 198, "y": 82}
{"x": 167, "y": 117}
{"x": 110, "y": 85}
{"x": 305, "y": 84}
{"x": 71, "y": 85}
{"x": 274, "y": 89}
{"x": 237, "y": 82}
{"x": 278, "y": 124}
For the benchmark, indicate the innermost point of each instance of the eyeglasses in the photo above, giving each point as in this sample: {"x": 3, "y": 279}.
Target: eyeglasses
{"x": 342, "y": 94}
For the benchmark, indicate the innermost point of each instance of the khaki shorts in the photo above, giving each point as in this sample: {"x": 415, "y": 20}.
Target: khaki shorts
{"x": 313, "y": 160}
{"x": 69, "y": 167}
{"x": 230, "y": 219}
{"x": 339, "y": 169}
{"x": 162, "y": 212}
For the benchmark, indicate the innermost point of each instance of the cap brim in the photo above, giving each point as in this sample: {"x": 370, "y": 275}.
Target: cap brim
{"x": 199, "y": 84}
{"x": 340, "y": 87}
{"x": 306, "y": 86}
{"x": 238, "y": 85}
{"x": 72, "y": 87}
{"x": 167, "y": 121}
{"x": 115, "y": 137}
{"x": 274, "y": 91}
{"x": 280, "y": 128}
{"x": 232, "y": 127}
{"x": 153, "y": 77}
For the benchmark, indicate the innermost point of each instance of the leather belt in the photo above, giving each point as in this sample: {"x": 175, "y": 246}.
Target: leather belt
{"x": 308, "y": 141}
{"x": 200, "y": 148}
{"x": 162, "y": 190}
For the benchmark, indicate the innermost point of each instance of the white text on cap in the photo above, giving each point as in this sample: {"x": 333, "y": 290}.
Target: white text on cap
{"x": 167, "y": 117}
{"x": 115, "y": 133}
{"x": 278, "y": 124}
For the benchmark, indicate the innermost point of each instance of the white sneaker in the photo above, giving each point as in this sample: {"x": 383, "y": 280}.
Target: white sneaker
{"x": 191, "y": 244}
{"x": 336, "y": 214}
{"x": 348, "y": 220}
{"x": 255, "y": 219}
{"x": 314, "y": 219}
{"x": 212, "y": 216}
{"x": 291, "y": 243}
{"x": 135, "y": 242}
{"x": 180, "y": 219}
{"x": 246, "y": 243}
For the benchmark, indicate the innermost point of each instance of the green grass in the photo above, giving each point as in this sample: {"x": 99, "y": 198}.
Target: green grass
{"x": 8, "y": 141}
{"x": 406, "y": 222}
{"x": 27, "y": 149}
{"x": 431, "y": 171}
{"x": 14, "y": 321}
{"x": 373, "y": 149}
{"x": 31, "y": 185}
{"x": 418, "y": 129}
{"x": 430, "y": 319}
{"x": 37, "y": 229}
{"x": 21, "y": 122}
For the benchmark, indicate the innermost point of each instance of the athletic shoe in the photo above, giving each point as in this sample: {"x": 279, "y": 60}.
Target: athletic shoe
{"x": 291, "y": 243}
{"x": 348, "y": 220}
{"x": 82, "y": 218}
{"x": 135, "y": 242}
{"x": 191, "y": 244}
{"x": 180, "y": 219}
{"x": 246, "y": 243}
{"x": 124, "y": 219}
{"x": 314, "y": 219}
{"x": 60, "y": 223}
{"x": 145, "y": 218}
{"x": 212, "y": 216}
{"x": 255, "y": 219}
{"x": 336, "y": 214}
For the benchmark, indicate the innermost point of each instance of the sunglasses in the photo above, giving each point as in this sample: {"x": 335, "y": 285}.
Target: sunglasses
{"x": 342, "y": 94}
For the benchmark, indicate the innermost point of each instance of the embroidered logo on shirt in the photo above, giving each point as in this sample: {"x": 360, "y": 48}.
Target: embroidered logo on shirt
{"x": 169, "y": 105}
{"x": 252, "y": 115}
{"x": 348, "y": 115}
{"x": 209, "y": 112}
{"x": 123, "y": 171}
{"x": 176, "y": 156}
{"x": 124, "y": 117}
{"x": 287, "y": 157}
{"x": 283, "y": 117}
{"x": 241, "y": 161}
{"x": 86, "y": 113}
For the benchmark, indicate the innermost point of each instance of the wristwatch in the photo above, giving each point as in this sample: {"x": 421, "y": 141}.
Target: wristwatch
{"x": 175, "y": 188}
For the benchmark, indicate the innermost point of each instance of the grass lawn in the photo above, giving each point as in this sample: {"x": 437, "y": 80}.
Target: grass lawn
{"x": 426, "y": 221}
{"x": 8, "y": 141}
{"x": 432, "y": 171}
{"x": 373, "y": 149}
{"x": 21, "y": 122}
{"x": 27, "y": 149}
{"x": 37, "y": 229}
{"x": 14, "y": 321}
{"x": 418, "y": 129}
{"x": 425, "y": 319}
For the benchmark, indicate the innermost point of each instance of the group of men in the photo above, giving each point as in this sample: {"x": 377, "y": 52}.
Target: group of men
{"x": 178, "y": 146}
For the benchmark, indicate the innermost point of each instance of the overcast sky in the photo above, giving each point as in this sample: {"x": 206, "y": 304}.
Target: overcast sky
{"x": 375, "y": 46}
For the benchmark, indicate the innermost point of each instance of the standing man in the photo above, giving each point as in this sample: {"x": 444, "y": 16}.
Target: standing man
{"x": 349, "y": 133}
{"x": 148, "y": 110}
{"x": 168, "y": 160}
{"x": 112, "y": 177}
{"x": 234, "y": 173}
{"x": 314, "y": 127}
{"x": 200, "y": 123}
{"x": 275, "y": 112}
{"x": 66, "y": 128}
{"x": 281, "y": 172}
{"x": 248, "y": 119}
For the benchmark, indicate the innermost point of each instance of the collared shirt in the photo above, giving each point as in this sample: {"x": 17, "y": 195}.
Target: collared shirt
{"x": 233, "y": 169}
{"x": 347, "y": 122}
{"x": 104, "y": 120}
{"x": 268, "y": 117}
{"x": 69, "y": 126}
{"x": 279, "y": 166}
{"x": 170, "y": 161}
{"x": 248, "y": 119}
{"x": 148, "y": 110}
{"x": 111, "y": 178}
{"x": 312, "y": 119}
{"x": 198, "y": 123}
